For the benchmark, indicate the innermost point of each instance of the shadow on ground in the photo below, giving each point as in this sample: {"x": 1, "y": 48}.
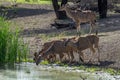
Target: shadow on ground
{"x": 106, "y": 28}
{"x": 22, "y": 12}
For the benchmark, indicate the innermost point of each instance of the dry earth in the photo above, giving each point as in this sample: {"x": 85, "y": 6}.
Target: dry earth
{"x": 36, "y": 20}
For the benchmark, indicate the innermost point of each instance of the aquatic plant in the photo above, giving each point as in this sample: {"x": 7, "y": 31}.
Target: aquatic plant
{"x": 12, "y": 48}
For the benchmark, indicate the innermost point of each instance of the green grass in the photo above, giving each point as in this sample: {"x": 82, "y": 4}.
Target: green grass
{"x": 95, "y": 69}
{"x": 44, "y": 62}
{"x": 91, "y": 69}
{"x": 33, "y": 1}
{"x": 12, "y": 48}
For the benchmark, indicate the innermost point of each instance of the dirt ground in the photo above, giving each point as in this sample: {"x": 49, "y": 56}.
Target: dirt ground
{"x": 36, "y": 19}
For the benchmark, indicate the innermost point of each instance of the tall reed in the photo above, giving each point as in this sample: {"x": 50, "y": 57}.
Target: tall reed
{"x": 12, "y": 48}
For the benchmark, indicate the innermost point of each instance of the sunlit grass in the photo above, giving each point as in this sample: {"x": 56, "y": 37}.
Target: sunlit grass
{"x": 32, "y": 1}
{"x": 95, "y": 69}
{"x": 44, "y": 62}
{"x": 12, "y": 47}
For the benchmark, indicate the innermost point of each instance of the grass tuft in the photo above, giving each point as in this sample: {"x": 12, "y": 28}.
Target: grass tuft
{"x": 12, "y": 48}
{"x": 32, "y": 1}
{"x": 44, "y": 62}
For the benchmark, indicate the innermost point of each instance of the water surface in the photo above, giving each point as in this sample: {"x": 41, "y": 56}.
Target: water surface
{"x": 29, "y": 71}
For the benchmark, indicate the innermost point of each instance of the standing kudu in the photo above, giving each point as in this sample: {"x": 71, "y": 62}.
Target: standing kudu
{"x": 79, "y": 16}
{"x": 83, "y": 43}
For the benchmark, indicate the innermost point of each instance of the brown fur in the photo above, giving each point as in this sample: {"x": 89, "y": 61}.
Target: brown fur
{"x": 68, "y": 46}
{"x": 80, "y": 16}
{"x": 57, "y": 47}
{"x": 82, "y": 43}
{"x": 45, "y": 47}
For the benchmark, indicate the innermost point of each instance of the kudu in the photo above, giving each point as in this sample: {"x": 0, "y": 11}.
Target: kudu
{"x": 56, "y": 47}
{"x": 48, "y": 57}
{"x": 79, "y": 16}
{"x": 83, "y": 43}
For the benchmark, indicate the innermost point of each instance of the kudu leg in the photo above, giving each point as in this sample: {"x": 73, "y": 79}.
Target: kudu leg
{"x": 90, "y": 30}
{"x": 71, "y": 56}
{"x": 98, "y": 54}
{"x": 78, "y": 29}
{"x": 61, "y": 57}
{"x": 81, "y": 56}
{"x": 98, "y": 50}
{"x": 93, "y": 54}
{"x": 93, "y": 26}
{"x": 54, "y": 57}
{"x": 68, "y": 54}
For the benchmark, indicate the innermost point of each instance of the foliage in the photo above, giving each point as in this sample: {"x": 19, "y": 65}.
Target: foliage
{"x": 12, "y": 49}
{"x": 94, "y": 69}
{"x": 111, "y": 71}
{"x": 32, "y": 1}
{"x": 44, "y": 62}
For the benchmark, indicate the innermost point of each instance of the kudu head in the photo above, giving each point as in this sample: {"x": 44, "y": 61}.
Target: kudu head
{"x": 37, "y": 58}
{"x": 42, "y": 55}
{"x": 63, "y": 7}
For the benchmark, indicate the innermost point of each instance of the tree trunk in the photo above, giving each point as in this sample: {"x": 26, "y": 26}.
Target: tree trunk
{"x": 102, "y": 6}
{"x": 59, "y": 14}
